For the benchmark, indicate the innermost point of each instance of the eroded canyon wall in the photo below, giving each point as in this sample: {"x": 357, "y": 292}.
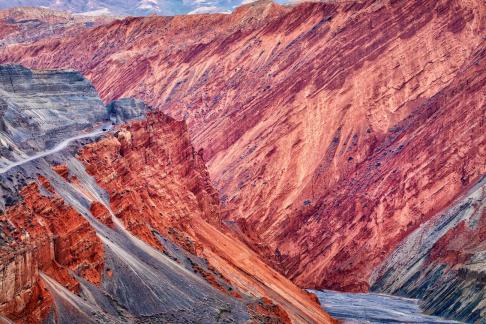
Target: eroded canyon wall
{"x": 443, "y": 261}
{"x": 331, "y": 130}
{"x": 117, "y": 226}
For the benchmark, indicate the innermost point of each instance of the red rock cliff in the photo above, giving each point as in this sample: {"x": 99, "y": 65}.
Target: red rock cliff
{"x": 44, "y": 235}
{"x": 158, "y": 184}
{"x": 330, "y": 130}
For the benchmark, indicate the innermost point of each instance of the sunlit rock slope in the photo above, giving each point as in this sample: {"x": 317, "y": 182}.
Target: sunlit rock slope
{"x": 118, "y": 225}
{"x": 332, "y": 131}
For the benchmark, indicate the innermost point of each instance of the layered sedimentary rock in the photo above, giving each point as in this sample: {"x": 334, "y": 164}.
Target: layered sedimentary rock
{"x": 35, "y": 108}
{"x": 37, "y": 118}
{"x": 159, "y": 188}
{"x": 331, "y": 130}
{"x": 26, "y": 24}
{"x": 416, "y": 170}
{"x": 39, "y": 231}
{"x": 116, "y": 227}
{"x": 443, "y": 261}
{"x": 43, "y": 234}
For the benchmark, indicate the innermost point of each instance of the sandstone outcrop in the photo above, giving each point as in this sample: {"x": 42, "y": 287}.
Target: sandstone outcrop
{"x": 332, "y": 131}
{"x": 43, "y": 234}
{"x": 328, "y": 128}
{"x": 121, "y": 227}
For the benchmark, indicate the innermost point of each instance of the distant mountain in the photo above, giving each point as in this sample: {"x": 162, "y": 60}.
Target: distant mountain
{"x": 130, "y": 7}
{"x": 27, "y": 24}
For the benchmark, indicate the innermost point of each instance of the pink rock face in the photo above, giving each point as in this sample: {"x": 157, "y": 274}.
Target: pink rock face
{"x": 157, "y": 185}
{"x": 49, "y": 236}
{"x": 416, "y": 170}
{"x": 331, "y": 130}
{"x": 157, "y": 182}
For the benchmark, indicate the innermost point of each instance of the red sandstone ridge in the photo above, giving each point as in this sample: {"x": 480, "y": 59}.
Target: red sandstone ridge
{"x": 158, "y": 185}
{"x": 43, "y": 234}
{"x": 148, "y": 168}
{"x": 158, "y": 188}
{"x": 330, "y": 130}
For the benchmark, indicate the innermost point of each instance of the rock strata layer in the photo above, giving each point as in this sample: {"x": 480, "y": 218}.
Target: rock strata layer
{"x": 331, "y": 130}
{"x": 121, "y": 227}
{"x": 443, "y": 262}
